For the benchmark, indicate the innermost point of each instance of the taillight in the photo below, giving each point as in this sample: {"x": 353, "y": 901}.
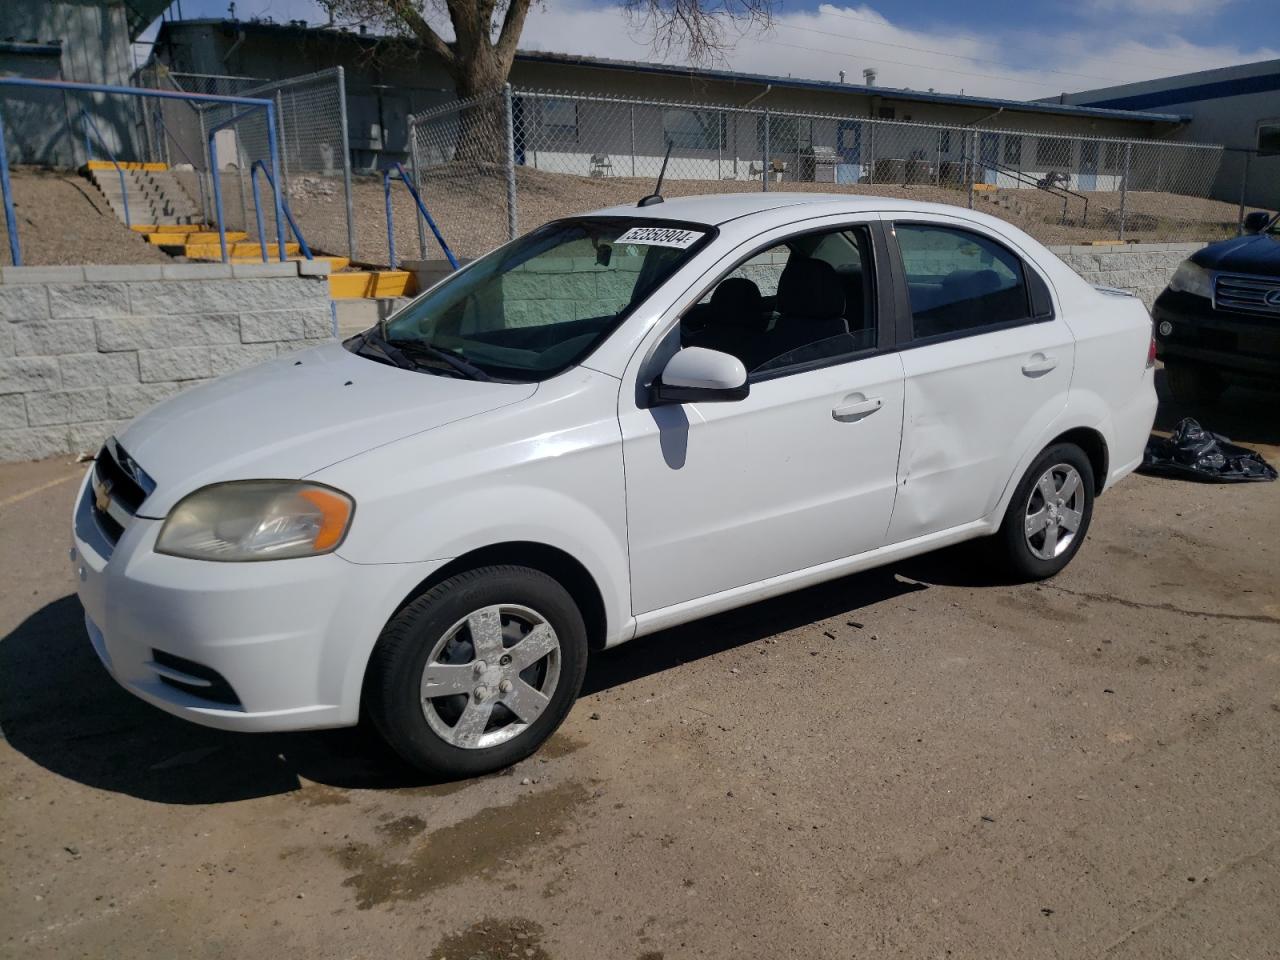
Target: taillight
{"x": 1151, "y": 351}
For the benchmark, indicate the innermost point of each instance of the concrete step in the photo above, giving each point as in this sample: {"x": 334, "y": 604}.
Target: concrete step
{"x": 371, "y": 284}
{"x": 355, "y": 315}
{"x": 179, "y": 238}
{"x": 213, "y": 251}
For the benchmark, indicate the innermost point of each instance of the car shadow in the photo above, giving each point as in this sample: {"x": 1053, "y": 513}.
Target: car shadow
{"x": 61, "y": 709}
{"x": 1244, "y": 414}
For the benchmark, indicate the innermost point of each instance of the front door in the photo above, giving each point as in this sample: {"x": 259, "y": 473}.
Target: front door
{"x": 802, "y": 471}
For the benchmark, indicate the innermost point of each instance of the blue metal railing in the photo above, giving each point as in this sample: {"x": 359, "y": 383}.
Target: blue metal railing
{"x": 250, "y": 103}
{"x": 274, "y": 178}
{"x": 86, "y": 122}
{"x": 396, "y": 171}
{"x": 282, "y": 204}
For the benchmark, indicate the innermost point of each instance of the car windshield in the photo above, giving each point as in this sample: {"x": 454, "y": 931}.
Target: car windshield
{"x": 538, "y": 305}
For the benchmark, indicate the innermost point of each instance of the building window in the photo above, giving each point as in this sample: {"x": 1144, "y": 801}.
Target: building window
{"x": 1268, "y": 139}
{"x": 886, "y": 113}
{"x": 693, "y": 129}
{"x": 944, "y": 141}
{"x": 1013, "y": 151}
{"x": 560, "y": 118}
{"x": 1114, "y": 158}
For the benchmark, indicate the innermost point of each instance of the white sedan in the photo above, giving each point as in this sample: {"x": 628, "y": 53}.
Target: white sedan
{"x": 617, "y": 423}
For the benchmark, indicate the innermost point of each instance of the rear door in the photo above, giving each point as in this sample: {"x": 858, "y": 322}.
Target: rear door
{"x": 987, "y": 360}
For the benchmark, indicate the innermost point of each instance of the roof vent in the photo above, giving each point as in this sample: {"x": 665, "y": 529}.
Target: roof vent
{"x": 869, "y": 76}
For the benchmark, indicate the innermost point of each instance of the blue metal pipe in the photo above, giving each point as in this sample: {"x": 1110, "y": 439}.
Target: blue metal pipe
{"x": 257, "y": 210}
{"x": 280, "y": 205}
{"x": 217, "y": 194}
{"x": 273, "y": 151}
{"x": 403, "y": 177}
{"x": 11, "y": 224}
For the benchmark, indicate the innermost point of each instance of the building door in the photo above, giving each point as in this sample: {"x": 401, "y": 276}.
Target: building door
{"x": 849, "y": 148}
{"x": 1088, "y": 165}
{"x": 989, "y": 155}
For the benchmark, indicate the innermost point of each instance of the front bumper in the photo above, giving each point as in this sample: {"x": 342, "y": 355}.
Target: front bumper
{"x": 1231, "y": 342}
{"x": 291, "y": 638}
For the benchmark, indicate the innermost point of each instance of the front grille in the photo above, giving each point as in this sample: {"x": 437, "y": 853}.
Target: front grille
{"x": 1244, "y": 294}
{"x": 118, "y": 488}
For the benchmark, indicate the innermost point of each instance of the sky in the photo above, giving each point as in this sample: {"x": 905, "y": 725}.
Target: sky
{"x": 1020, "y": 49}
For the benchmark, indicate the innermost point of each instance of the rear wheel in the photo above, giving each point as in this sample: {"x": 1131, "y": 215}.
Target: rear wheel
{"x": 1193, "y": 386}
{"x": 1049, "y": 514}
{"x": 475, "y": 674}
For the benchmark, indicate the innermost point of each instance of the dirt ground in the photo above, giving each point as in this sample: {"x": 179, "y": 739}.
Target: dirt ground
{"x": 63, "y": 219}
{"x": 918, "y": 761}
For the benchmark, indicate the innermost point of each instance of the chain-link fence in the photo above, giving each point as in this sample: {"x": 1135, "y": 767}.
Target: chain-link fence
{"x": 568, "y": 152}
{"x": 315, "y": 160}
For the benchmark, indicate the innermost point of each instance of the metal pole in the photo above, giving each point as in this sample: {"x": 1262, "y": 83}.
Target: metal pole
{"x": 391, "y": 233}
{"x": 257, "y": 213}
{"x": 11, "y": 224}
{"x": 719, "y": 143}
{"x": 764, "y": 161}
{"x": 284, "y": 141}
{"x": 413, "y": 172}
{"x": 217, "y": 195}
{"x": 346, "y": 164}
{"x": 275, "y": 176}
{"x": 1124, "y": 189}
{"x": 511, "y": 162}
{"x": 633, "y": 139}
{"x": 972, "y": 166}
{"x": 1244, "y": 189}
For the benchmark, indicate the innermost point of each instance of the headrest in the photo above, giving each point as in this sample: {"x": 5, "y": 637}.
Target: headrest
{"x": 810, "y": 288}
{"x": 969, "y": 285}
{"x": 736, "y": 302}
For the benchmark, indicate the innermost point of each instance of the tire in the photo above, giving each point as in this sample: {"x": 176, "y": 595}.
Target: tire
{"x": 1194, "y": 387}
{"x": 1036, "y": 539}
{"x": 468, "y": 629}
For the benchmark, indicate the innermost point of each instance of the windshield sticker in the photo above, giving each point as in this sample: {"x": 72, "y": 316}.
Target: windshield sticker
{"x": 661, "y": 237}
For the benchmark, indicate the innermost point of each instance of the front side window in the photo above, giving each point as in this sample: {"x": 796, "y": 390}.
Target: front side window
{"x": 807, "y": 300}
{"x": 540, "y": 304}
{"x": 959, "y": 281}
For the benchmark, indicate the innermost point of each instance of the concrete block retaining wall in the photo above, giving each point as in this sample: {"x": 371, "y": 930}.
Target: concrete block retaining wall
{"x": 83, "y": 350}
{"x": 1143, "y": 268}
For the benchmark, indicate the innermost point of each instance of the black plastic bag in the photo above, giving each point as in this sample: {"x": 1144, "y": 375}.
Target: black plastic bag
{"x": 1195, "y": 453}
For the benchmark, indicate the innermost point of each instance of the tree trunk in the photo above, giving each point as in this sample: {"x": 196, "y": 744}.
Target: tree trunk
{"x": 482, "y": 133}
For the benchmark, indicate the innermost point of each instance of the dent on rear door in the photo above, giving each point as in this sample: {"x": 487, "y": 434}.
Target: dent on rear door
{"x": 970, "y": 414}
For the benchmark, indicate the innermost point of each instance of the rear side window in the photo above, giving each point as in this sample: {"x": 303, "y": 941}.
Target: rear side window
{"x": 962, "y": 282}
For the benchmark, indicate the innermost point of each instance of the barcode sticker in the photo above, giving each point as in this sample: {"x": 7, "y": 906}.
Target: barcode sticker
{"x": 661, "y": 237}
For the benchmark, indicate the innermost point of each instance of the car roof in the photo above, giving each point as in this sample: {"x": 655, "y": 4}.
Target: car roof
{"x": 719, "y": 208}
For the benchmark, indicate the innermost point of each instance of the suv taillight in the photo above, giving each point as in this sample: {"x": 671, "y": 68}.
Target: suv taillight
{"x": 1151, "y": 351}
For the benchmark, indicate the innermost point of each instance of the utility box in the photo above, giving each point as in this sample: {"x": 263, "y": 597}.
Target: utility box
{"x": 818, "y": 164}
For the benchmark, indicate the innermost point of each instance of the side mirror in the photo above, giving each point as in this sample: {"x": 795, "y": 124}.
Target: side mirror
{"x": 699, "y": 375}
{"x": 1256, "y": 221}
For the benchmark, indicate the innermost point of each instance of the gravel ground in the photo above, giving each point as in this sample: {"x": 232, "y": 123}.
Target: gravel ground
{"x": 914, "y": 762}
{"x": 63, "y": 219}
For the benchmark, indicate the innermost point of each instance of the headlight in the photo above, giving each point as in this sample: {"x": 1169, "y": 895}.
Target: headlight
{"x": 257, "y": 520}
{"x": 1192, "y": 278}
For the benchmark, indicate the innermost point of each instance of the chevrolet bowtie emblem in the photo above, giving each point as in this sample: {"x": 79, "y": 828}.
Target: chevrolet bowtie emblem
{"x": 102, "y": 496}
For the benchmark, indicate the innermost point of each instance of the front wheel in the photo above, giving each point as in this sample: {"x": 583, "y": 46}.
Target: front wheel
{"x": 1049, "y": 514}
{"x": 477, "y": 672}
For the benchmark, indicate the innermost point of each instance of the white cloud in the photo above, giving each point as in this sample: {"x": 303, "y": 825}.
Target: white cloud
{"x": 989, "y": 62}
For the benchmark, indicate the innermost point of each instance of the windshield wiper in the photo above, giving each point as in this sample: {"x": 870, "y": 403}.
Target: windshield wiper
{"x": 410, "y": 348}
{"x": 383, "y": 350}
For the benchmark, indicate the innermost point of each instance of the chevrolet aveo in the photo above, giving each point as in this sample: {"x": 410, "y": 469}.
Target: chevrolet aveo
{"x": 616, "y": 423}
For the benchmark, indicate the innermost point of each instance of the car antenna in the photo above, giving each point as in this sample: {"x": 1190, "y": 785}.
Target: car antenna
{"x": 656, "y": 196}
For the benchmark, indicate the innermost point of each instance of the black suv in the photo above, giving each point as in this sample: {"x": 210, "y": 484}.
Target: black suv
{"x": 1218, "y": 321}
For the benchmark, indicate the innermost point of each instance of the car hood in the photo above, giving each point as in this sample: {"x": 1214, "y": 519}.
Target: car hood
{"x": 1258, "y": 254}
{"x": 290, "y": 417}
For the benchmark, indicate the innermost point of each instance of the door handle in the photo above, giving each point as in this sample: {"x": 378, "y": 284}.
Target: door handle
{"x": 856, "y": 407}
{"x": 1039, "y": 364}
